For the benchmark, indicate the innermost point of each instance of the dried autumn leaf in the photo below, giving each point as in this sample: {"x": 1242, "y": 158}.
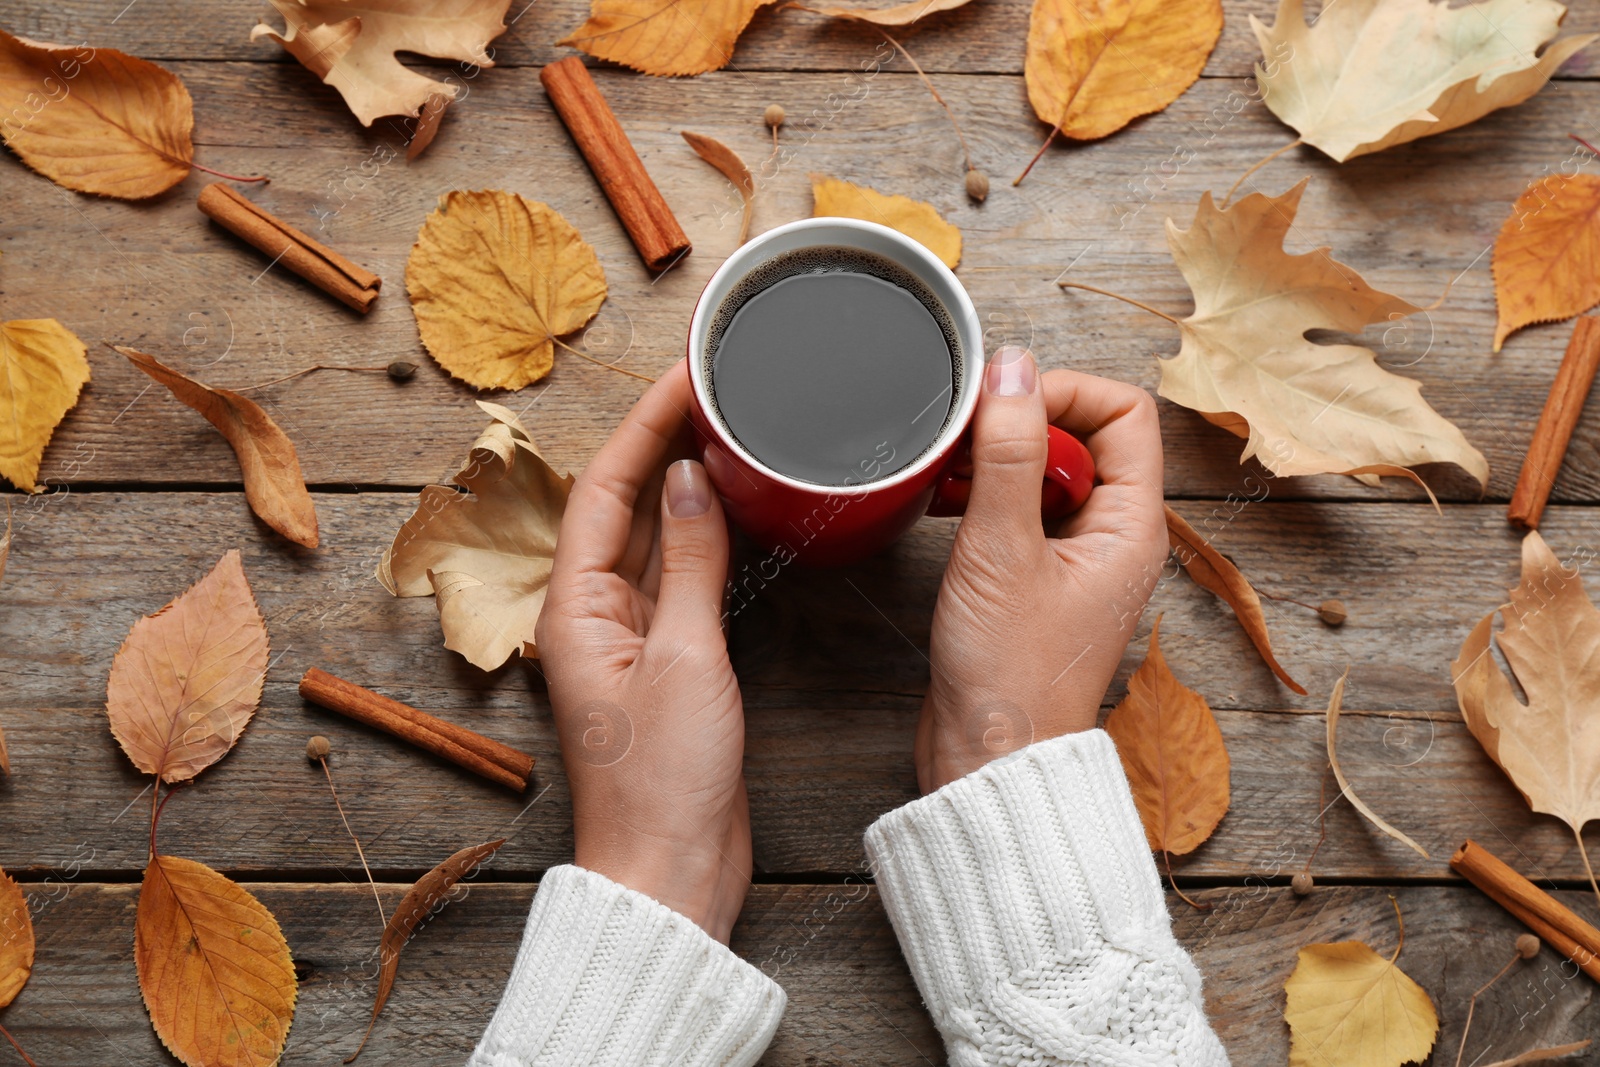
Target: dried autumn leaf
{"x": 486, "y": 557}
{"x": 914, "y": 218}
{"x": 418, "y": 904}
{"x": 1093, "y": 68}
{"x": 1370, "y": 74}
{"x": 731, "y": 167}
{"x": 16, "y": 940}
{"x": 273, "y": 484}
{"x": 1173, "y": 753}
{"x": 188, "y": 678}
{"x": 1547, "y": 256}
{"x": 1349, "y": 1005}
{"x": 1551, "y": 641}
{"x": 43, "y": 368}
{"x": 351, "y": 45}
{"x": 1245, "y": 361}
{"x": 1335, "y": 705}
{"x": 494, "y": 279}
{"x": 95, "y": 119}
{"x": 898, "y": 15}
{"x": 1539, "y": 1055}
{"x": 664, "y": 37}
{"x": 1215, "y": 573}
{"x": 5, "y": 756}
{"x": 213, "y": 966}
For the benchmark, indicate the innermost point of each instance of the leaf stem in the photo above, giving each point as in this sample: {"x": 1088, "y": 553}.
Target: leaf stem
{"x": 1196, "y": 905}
{"x": 304, "y": 371}
{"x": 965, "y": 150}
{"x": 230, "y": 177}
{"x": 1402, "y": 921}
{"x": 598, "y": 363}
{"x": 1473, "y": 1003}
{"x": 1296, "y": 143}
{"x": 1036, "y": 156}
{"x": 1584, "y": 852}
{"x": 383, "y": 920}
{"x": 1124, "y": 299}
{"x": 156, "y": 810}
{"x": 25, "y": 1058}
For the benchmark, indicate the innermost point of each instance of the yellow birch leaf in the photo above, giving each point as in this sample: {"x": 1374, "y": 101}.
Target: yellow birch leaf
{"x": 43, "y": 368}
{"x": 668, "y": 38}
{"x": 914, "y": 218}
{"x": 213, "y": 966}
{"x": 1093, "y": 66}
{"x": 95, "y": 119}
{"x": 1547, "y": 256}
{"x": 494, "y": 279}
{"x": 898, "y": 15}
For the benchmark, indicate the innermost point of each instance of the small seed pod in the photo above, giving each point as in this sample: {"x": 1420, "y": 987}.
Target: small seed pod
{"x": 317, "y": 748}
{"x": 1527, "y": 946}
{"x": 400, "y": 370}
{"x": 1302, "y": 884}
{"x": 774, "y": 115}
{"x": 1332, "y": 612}
{"x": 977, "y": 185}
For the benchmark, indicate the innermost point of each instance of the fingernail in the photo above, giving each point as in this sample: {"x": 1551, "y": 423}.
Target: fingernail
{"x": 1011, "y": 372}
{"x": 688, "y": 495}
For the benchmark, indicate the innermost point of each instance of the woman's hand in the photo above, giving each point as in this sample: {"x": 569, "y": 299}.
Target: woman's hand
{"x": 1029, "y": 629}
{"x": 645, "y": 700}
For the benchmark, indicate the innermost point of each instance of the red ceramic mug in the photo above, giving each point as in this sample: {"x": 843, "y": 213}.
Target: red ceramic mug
{"x": 832, "y": 524}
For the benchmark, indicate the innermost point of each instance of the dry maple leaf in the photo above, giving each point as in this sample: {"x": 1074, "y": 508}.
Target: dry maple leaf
{"x": 1215, "y": 573}
{"x": 351, "y": 45}
{"x": 1335, "y": 706}
{"x": 423, "y": 898}
{"x": 95, "y": 119}
{"x": 486, "y": 557}
{"x": 1349, "y": 1006}
{"x": 213, "y": 965}
{"x": 1374, "y": 73}
{"x": 494, "y": 279}
{"x": 188, "y": 678}
{"x": 1172, "y": 750}
{"x": 1547, "y": 256}
{"x": 1093, "y": 68}
{"x": 273, "y": 484}
{"x": 1548, "y": 746}
{"x": 731, "y": 167}
{"x": 1246, "y": 364}
{"x": 43, "y": 368}
{"x": 914, "y": 218}
{"x": 664, "y": 37}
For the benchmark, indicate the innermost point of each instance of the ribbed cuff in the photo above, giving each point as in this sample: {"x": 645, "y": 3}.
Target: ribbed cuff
{"x": 607, "y": 975}
{"x": 1030, "y": 912}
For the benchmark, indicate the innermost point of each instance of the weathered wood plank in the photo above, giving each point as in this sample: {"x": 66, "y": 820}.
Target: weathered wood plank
{"x": 983, "y": 37}
{"x": 851, "y": 999}
{"x": 833, "y": 671}
{"x": 160, "y": 277}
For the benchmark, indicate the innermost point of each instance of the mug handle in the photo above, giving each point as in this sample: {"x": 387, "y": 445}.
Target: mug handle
{"x": 1068, "y": 478}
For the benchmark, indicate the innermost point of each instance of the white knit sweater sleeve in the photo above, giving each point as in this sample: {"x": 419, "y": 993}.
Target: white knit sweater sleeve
{"x": 606, "y": 975}
{"x": 1032, "y": 917}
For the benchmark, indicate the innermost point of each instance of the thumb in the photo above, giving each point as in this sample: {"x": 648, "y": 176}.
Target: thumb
{"x": 694, "y": 554}
{"x": 1008, "y": 450}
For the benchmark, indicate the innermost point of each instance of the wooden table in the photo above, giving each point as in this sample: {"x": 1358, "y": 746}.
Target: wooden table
{"x": 146, "y": 497}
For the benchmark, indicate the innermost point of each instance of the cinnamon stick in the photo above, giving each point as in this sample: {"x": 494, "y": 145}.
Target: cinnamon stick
{"x": 1556, "y": 423}
{"x": 1532, "y": 906}
{"x": 482, "y": 755}
{"x": 297, "y": 251}
{"x": 616, "y": 166}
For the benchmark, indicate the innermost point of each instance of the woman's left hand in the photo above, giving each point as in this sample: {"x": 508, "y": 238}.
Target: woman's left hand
{"x": 646, "y": 703}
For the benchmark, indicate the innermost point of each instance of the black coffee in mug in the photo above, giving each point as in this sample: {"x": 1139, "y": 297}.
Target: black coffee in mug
{"x": 833, "y": 365}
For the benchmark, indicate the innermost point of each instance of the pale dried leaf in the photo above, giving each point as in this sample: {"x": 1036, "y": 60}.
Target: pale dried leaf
{"x": 273, "y": 484}
{"x": 916, "y": 219}
{"x": 1548, "y": 746}
{"x": 1540, "y": 1055}
{"x": 213, "y": 966}
{"x": 1335, "y": 705}
{"x": 43, "y": 368}
{"x": 188, "y": 678}
{"x": 1215, "y": 573}
{"x": 668, "y": 38}
{"x": 488, "y": 556}
{"x": 1310, "y": 408}
{"x": 1346, "y": 997}
{"x": 1173, "y": 753}
{"x": 1547, "y": 255}
{"x": 494, "y": 279}
{"x": 731, "y": 167}
{"x": 95, "y": 119}
{"x": 1374, "y": 73}
{"x": 898, "y": 15}
{"x": 351, "y": 45}
{"x": 16, "y": 940}
{"x": 1093, "y": 68}
{"x": 418, "y": 904}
